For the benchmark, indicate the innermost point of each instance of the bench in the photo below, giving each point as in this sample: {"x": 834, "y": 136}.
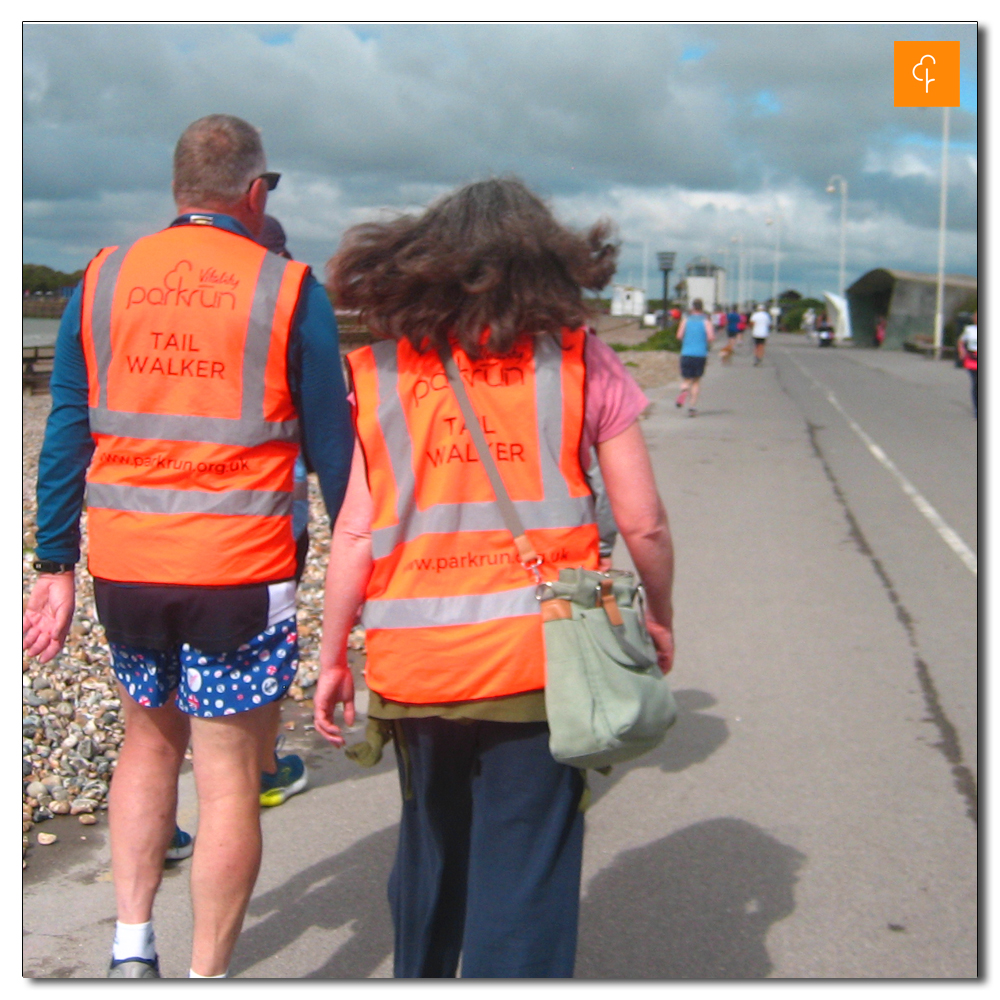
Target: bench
{"x": 36, "y": 369}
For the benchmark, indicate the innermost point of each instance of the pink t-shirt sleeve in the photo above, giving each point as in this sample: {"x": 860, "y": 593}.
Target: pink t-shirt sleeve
{"x": 613, "y": 400}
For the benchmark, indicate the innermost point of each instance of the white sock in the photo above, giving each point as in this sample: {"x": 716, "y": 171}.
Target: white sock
{"x": 194, "y": 975}
{"x": 134, "y": 941}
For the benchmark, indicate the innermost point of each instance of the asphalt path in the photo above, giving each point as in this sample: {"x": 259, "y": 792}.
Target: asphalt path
{"x": 813, "y": 812}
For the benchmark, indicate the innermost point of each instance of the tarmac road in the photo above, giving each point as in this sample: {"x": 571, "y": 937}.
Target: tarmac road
{"x": 812, "y": 813}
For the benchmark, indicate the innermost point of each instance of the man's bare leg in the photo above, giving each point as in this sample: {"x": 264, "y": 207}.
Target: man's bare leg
{"x": 142, "y": 803}
{"x": 268, "y": 760}
{"x": 227, "y": 754}
{"x": 695, "y": 387}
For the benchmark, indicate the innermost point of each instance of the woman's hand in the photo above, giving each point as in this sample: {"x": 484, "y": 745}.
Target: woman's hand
{"x": 663, "y": 640}
{"x": 335, "y": 686}
{"x": 347, "y": 572}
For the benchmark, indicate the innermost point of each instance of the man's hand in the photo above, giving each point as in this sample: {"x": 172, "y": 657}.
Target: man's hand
{"x": 48, "y": 615}
{"x": 334, "y": 686}
{"x": 663, "y": 640}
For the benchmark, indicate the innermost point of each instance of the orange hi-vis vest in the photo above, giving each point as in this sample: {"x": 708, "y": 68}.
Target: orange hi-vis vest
{"x": 185, "y": 336}
{"x": 451, "y": 614}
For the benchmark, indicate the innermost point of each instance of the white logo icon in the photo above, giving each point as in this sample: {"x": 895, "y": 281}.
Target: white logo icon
{"x": 927, "y": 79}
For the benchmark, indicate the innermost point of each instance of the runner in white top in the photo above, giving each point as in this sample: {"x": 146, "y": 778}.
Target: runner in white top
{"x": 761, "y": 323}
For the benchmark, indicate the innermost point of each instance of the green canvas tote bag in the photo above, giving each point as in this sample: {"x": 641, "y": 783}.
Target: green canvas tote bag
{"x": 606, "y": 698}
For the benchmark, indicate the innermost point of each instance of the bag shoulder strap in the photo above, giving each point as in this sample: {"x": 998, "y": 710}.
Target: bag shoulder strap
{"x": 526, "y": 551}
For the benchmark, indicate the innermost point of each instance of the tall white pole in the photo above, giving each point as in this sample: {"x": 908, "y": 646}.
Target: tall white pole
{"x": 843, "y": 235}
{"x": 645, "y": 269}
{"x": 740, "y": 270}
{"x": 777, "y": 255}
{"x": 939, "y": 303}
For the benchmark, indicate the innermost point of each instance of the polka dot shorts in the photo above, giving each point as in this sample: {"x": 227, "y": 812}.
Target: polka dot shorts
{"x": 212, "y": 684}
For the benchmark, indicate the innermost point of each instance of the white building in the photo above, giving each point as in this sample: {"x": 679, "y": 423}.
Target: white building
{"x": 706, "y": 281}
{"x": 627, "y": 301}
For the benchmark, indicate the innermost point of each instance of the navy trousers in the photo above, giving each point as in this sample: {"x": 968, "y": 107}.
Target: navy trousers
{"x": 489, "y": 855}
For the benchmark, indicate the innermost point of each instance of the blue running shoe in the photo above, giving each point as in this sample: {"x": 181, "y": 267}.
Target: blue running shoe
{"x": 290, "y": 779}
{"x": 182, "y": 846}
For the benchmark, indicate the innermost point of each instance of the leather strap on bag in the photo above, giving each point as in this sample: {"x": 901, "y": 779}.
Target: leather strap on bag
{"x": 525, "y": 550}
{"x": 553, "y": 608}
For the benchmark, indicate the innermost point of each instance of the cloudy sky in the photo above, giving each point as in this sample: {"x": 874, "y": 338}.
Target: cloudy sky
{"x": 687, "y": 136}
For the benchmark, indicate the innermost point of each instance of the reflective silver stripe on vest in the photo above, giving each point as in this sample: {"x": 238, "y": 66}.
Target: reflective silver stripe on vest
{"x": 179, "y": 427}
{"x": 485, "y": 516}
{"x": 392, "y": 421}
{"x": 549, "y": 411}
{"x": 258, "y": 342}
{"x": 149, "y": 500}
{"x": 433, "y": 612}
{"x": 250, "y": 428}
{"x": 100, "y": 318}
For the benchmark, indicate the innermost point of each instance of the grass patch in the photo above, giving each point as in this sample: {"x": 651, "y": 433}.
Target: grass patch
{"x": 660, "y": 340}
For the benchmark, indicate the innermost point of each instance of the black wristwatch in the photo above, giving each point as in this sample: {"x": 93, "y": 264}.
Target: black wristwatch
{"x": 48, "y": 566}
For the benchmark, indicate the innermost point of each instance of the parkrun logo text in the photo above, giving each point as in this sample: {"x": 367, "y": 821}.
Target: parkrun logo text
{"x": 213, "y": 290}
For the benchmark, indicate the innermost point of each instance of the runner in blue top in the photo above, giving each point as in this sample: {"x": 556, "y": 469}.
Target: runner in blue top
{"x": 695, "y": 334}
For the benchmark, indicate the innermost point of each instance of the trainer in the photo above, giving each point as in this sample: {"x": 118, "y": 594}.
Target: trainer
{"x": 193, "y": 367}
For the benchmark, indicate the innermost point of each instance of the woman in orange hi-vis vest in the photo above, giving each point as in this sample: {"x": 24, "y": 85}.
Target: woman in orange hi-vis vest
{"x": 488, "y": 864}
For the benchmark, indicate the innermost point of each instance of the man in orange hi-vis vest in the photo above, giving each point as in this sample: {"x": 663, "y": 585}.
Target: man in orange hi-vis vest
{"x": 196, "y": 372}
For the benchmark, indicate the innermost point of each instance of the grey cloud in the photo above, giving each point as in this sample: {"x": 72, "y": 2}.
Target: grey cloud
{"x": 381, "y": 112}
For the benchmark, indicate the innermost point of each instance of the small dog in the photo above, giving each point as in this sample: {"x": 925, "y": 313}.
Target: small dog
{"x": 726, "y": 352}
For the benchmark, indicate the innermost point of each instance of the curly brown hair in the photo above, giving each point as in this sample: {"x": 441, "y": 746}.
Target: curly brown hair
{"x": 490, "y": 255}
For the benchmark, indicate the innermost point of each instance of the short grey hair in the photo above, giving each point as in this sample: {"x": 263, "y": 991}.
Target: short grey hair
{"x": 216, "y": 160}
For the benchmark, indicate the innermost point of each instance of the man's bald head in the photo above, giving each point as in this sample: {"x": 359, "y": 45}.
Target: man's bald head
{"x": 216, "y": 160}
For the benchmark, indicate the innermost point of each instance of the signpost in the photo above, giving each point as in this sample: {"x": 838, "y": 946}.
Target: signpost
{"x": 665, "y": 259}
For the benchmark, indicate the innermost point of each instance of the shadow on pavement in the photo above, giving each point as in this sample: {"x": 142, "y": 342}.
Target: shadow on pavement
{"x": 693, "y": 738}
{"x": 697, "y": 904}
{"x": 349, "y": 888}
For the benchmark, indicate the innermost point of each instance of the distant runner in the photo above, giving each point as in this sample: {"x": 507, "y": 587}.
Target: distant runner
{"x": 760, "y": 321}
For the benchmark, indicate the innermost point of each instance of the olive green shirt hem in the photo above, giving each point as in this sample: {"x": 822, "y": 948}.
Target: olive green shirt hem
{"x": 526, "y": 707}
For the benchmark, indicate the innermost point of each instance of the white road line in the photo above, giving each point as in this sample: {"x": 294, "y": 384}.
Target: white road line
{"x": 946, "y": 532}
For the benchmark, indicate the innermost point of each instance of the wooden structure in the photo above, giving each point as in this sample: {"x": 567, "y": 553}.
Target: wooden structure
{"x": 36, "y": 368}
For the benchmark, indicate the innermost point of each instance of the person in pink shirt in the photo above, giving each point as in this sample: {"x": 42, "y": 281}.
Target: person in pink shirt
{"x": 489, "y": 855}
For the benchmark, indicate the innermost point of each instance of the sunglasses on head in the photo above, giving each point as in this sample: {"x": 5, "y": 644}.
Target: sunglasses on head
{"x": 270, "y": 179}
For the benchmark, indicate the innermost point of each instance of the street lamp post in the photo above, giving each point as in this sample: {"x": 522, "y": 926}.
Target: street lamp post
{"x": 942, "y": 224}
{"x": 831, "y": 188}
{"x": 776, "y": 222}
{"x": 738, "y": 240}
{"x": 665, "y": 259}
{"x": 725, "y": 270}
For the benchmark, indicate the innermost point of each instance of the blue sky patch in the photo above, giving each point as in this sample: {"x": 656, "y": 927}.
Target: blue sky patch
{"x": 280, "y": 37}
{"x": 694, "y": 53}
{"x": 969, "y": 91}
{"x": 765, "y": 104}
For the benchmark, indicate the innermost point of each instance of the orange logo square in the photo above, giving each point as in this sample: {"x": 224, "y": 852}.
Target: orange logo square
{"x": 925, "y": 75}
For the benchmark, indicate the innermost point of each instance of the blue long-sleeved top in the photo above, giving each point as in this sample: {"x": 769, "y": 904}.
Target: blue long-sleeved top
{"x": 315, "y": 379}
